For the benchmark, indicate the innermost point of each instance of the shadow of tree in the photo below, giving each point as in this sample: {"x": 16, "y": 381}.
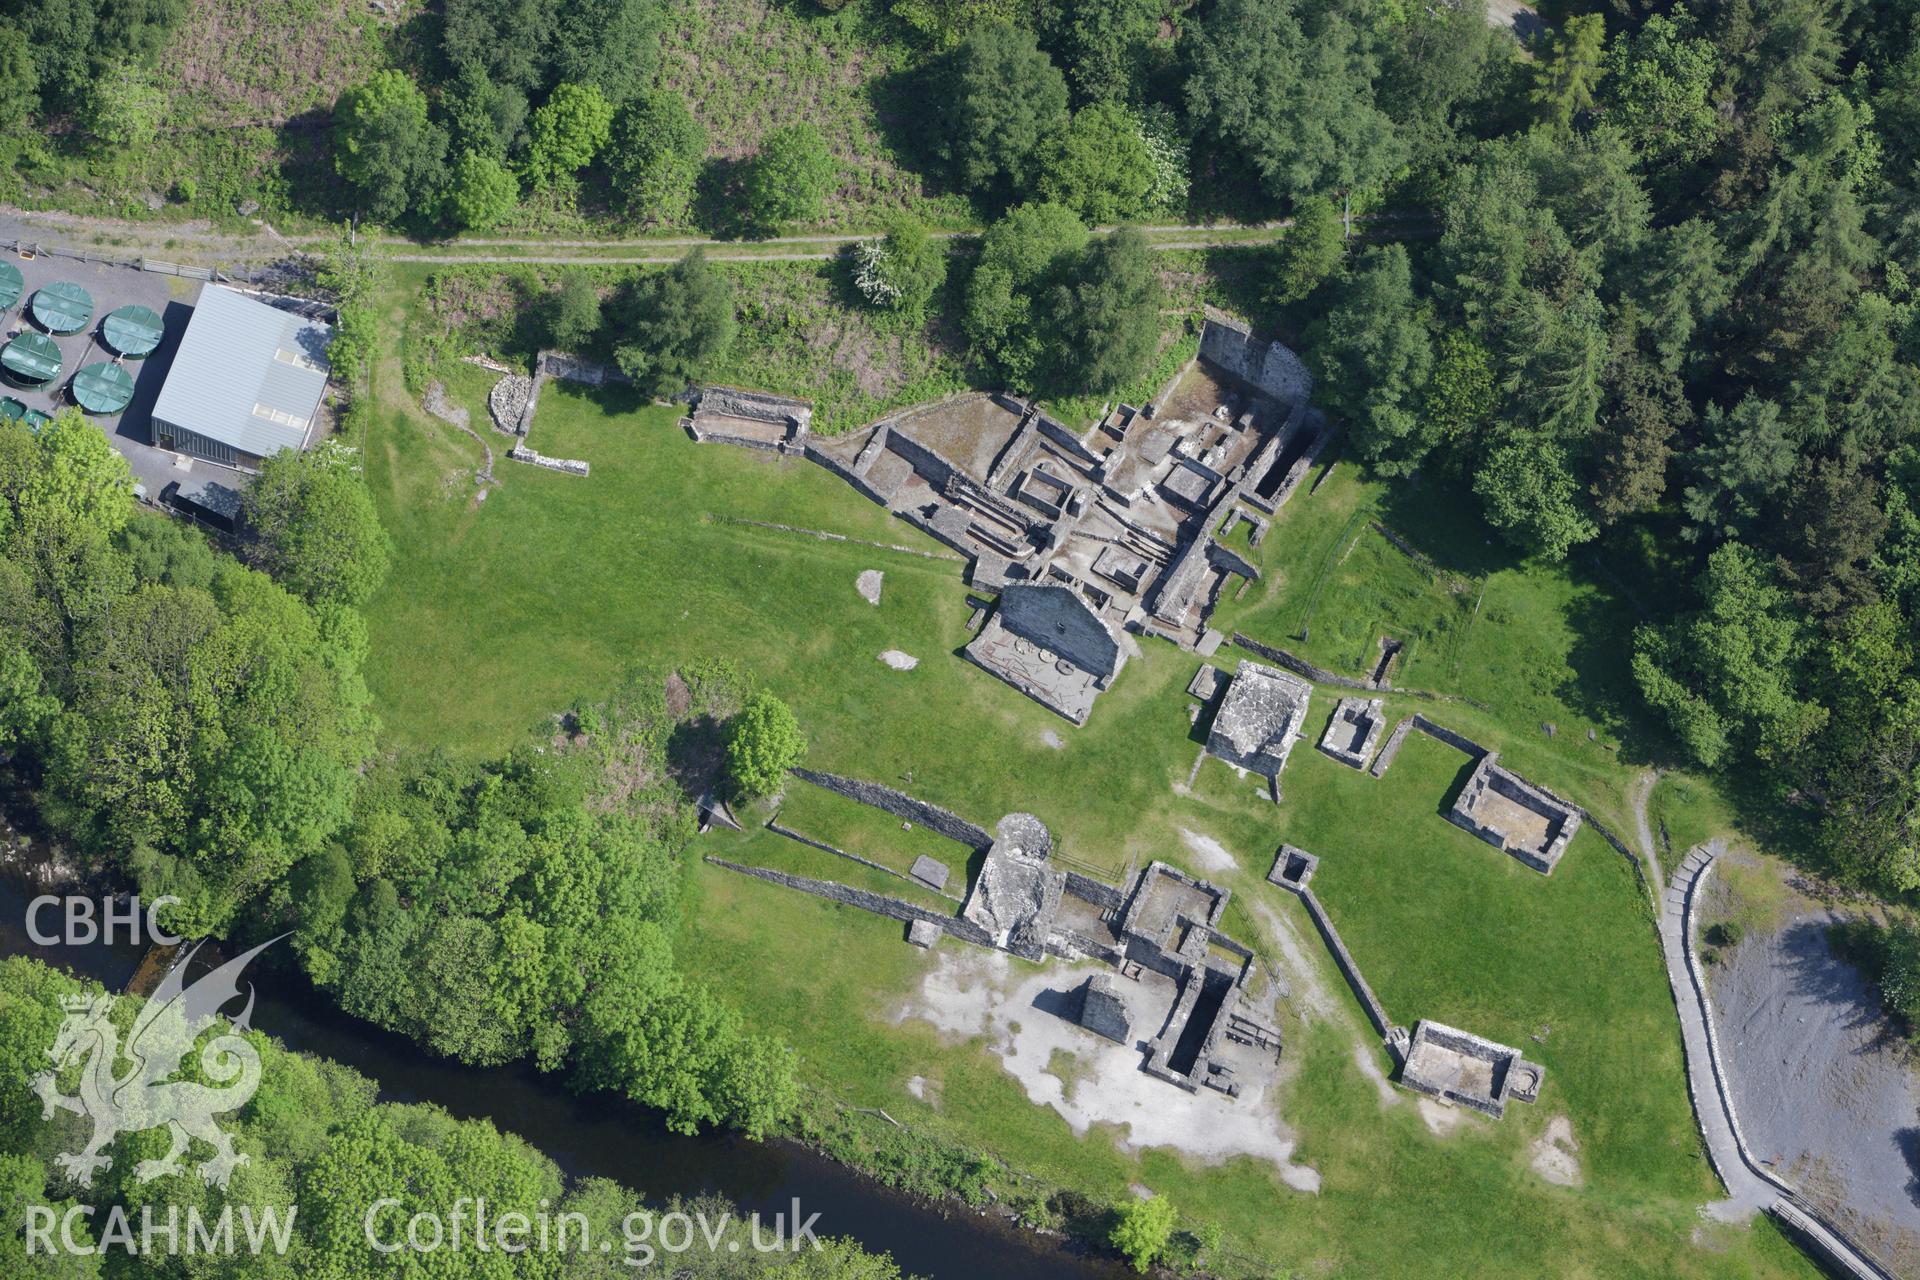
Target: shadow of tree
{"x": 719, "y": 199}
{"x": 907, "y": 122}
{"x": 697, "y": 756}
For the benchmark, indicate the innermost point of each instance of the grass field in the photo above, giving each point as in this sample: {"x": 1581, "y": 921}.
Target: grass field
{"x": 503, "y": 612}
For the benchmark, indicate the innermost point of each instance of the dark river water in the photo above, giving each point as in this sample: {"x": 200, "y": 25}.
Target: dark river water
{"x": 603, "y": 1136}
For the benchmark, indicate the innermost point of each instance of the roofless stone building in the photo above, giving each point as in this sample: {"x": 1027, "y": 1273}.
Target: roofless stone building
{"x": 1052, "y": 645}
{"x": 1259, "y": 720}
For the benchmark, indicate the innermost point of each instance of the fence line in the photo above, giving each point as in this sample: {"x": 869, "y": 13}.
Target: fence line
{"x": 34, "y": 249}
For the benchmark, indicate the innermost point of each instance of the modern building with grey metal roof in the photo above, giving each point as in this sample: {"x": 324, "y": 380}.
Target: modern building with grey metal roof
{"x": 245, "y": 384}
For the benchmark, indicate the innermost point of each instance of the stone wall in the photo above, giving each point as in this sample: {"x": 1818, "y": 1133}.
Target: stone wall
{"x": 571, "y": 368}
{"x": 1301, "y": 465}
{"x": 1458, "y": 741}
{"x": 928, "y": 462}
{"x": 754, "y": 406}
{"x": 1342, "y": 958}
{"x": 877, "y": 903}
{"x": 1300, "y": 666}
{"x": 824, "y": 847}
{"x": 704, "y": 436}
{"x": 1269, "y": 366}
{"x": 567, "y": 466}
{"x": 1098, "y": 892}
{"x": 1392, "y": 749}
{"x": 813, "y": 453}
{"x": 901, "y": 805}
{"x": 1066, "y": 440}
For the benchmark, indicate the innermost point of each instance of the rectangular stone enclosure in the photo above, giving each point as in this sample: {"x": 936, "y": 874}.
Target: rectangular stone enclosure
{"x": 1515, "y": 816}
{"x": 1353, "y": 732}
{"x": 1458, "y": 1066}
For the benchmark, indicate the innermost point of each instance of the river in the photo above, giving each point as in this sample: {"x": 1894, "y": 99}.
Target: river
{"x": 603, "y": 1136}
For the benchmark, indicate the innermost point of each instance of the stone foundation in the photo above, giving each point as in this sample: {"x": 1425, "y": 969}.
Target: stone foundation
{"x": 1515, "y": 816}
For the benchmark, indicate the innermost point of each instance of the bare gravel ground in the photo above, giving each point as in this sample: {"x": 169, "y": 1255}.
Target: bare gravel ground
{"x": 1826, "y": 1096}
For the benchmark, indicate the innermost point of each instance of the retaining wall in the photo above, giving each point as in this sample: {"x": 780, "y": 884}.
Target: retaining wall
{"x": 1300, "y": 666}
{"x": 901, "y": 805}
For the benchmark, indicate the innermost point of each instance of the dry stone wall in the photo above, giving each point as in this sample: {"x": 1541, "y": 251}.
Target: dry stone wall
{"x": 901, "y": 805}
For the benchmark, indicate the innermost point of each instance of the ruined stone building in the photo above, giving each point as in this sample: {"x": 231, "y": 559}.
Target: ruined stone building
{"x": 1458, "y": 1066}
{"x": 1514, "y": 815}
{"x": 1259, "y": 720}
{"x": 1127, "y": 515}
{"x": 1050, "y": 643}
{"x": 1176, "y": 981}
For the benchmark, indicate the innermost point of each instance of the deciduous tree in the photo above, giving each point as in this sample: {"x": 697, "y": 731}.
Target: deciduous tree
{"x": 763, "y": 742}
{"x": 314, "y": 527}
{"x": 789, "y": 178}
{"x": 568, "y": 131}
{"x": 483, "y": 194}
{"x": 1102, "y": 320}
{"x": 1288, "y": 86}
{"x": 1004, "y": 97}
{"x": 672, "y": 326}
{"x": 654, "y": 157}
{"x": 1375, "y": 358}
{"x": 389, "y": 153}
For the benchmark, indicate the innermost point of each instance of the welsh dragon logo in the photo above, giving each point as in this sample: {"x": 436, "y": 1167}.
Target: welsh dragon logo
{"x": 143, "y": 1096}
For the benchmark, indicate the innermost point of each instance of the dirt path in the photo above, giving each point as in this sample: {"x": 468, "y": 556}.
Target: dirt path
{"x": 200, "y": 243}
{"x": 1643, "y": 830}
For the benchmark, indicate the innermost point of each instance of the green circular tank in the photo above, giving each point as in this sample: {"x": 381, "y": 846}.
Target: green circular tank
{"x": 31, "y": 358}
{"x": 102, "y": 388}
{"x": 62, "y": 307}
{"x": 12, "y": 284}
{"x": 132, "y": 331}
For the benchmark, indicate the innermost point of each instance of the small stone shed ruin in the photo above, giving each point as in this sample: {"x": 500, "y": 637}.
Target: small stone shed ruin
{"x": 1353, "y": 731}
{"x": 1052, "y": 645}
{"x": 1259, "y": 720}
{"x": 1514, "y": 815}
{"x": 1458, "y": 1066}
